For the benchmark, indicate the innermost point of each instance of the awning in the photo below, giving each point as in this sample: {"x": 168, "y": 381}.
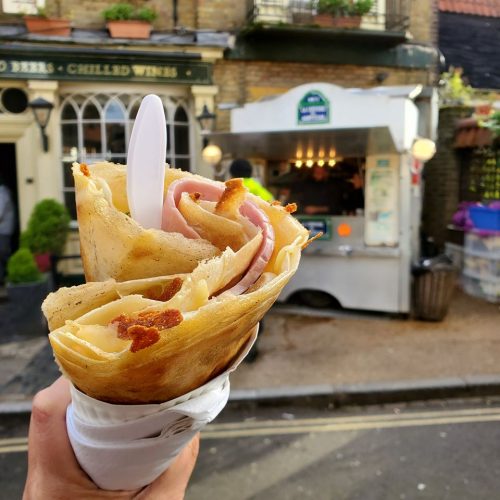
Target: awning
{"x": 470, "y": 135}
{"x": 306, "y": 143}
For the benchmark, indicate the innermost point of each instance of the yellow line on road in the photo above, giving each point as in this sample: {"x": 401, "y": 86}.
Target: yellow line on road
{"x": 13, "y": 449}
{"x": 313, "y": 425}
{"x": 213, "y": 433}
{"x": 391, "y": 417}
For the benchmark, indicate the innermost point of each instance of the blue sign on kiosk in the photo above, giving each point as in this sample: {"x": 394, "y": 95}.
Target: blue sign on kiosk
{"x": 317, "y": 224}
{"x": 313, "y": 108}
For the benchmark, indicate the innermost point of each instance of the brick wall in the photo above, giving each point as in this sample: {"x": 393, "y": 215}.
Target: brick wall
{"x": 240, "y": 81}
{"x": 88, "y": 13}
{"x": 225, "y": 15}
{"x": 423, "y": 20}
{"x": 442, "y": 178}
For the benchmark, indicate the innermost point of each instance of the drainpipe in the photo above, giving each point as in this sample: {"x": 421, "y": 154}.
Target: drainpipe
{"x": 175, "y": 13}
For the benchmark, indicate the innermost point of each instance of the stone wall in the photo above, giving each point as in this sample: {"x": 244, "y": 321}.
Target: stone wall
{"x": 245, "y": 81}
{"x": 442, "y": 177}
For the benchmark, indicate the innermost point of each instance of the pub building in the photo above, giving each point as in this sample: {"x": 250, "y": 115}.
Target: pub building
{"x": 61, "y": 103}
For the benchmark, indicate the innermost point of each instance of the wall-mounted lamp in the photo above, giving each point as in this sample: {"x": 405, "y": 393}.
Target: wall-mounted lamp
{"x": 41, "y": 111}
{"x": 212, "y": 155}
{"x": 207, "y": 121}
{"x": 423, "y": 149}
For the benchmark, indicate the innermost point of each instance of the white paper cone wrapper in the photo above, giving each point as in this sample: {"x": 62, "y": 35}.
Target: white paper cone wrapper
{"x": 126, "y": 447}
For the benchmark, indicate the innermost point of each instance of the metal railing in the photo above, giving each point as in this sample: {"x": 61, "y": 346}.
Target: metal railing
{"x": 385, "y": 15}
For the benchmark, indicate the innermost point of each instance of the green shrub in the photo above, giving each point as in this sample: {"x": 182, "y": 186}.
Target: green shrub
{"x": 22, "y": 268}
{"x": 341, "y": 8}
{"x": 126, "y": 12}
{"x": 119, "y": 12}
{"x": 146, "y": 14}
{"x": 47, "y": 228}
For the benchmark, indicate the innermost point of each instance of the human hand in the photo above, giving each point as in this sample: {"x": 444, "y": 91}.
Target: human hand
{"x": 53, "y": 471}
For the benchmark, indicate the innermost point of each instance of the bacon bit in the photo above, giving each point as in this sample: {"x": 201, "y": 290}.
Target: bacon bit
{"x": 142, "y": 337}
{"x": 195, "y": 196}
{"x": 276, "y": 203}
{"x": 310, "y": 240}
{"x": 231, "y": 199}
{"x": 84, "y": 169}
{"x": 291, "y": 208}
{"x": 171, "y": 289}
{"x": 156, "y": 320}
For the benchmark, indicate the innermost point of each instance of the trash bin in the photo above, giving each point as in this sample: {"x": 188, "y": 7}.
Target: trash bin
{"x": 433, "y": 283}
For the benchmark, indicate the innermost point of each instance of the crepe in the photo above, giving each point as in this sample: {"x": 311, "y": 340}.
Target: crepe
{"x": 152, "y": 338}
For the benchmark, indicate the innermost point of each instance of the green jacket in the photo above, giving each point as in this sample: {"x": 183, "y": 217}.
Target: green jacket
{"x": 255, "y": 188}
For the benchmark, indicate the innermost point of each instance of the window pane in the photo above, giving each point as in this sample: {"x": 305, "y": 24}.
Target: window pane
{"x": 67, "y": 174}
{"x": 134, "y": 110}
{"x": 169, "y": 140}
{"x": 90, "y": 112}
{"x": 181, "y": 133}
{"x": 70, "y": 202}
{"x": 182, "y": 163}
{"x": 68, "y": 112}
{"x": 114, "y": 112}
{"x": 180, "y": 115}
{"x": 69, "y": 138}
{"x": 92, "y": 138}
{"x": 115, "y": 137}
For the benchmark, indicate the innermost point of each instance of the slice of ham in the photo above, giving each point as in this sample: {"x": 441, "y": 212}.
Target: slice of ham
{"x": 173, "y": 221}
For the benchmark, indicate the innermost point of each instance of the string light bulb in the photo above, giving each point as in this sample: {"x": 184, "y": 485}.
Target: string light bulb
{"x": 309, "y": 163}
{"x": 331, "y": 162}
{"x": 321, "y": 163}
{"x": 298, "y": 163}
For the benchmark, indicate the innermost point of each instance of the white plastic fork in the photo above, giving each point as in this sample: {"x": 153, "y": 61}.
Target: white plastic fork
{"x": 146, "y": 163}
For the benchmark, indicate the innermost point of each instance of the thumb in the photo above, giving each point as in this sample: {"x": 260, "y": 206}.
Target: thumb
{"x": 173, "y": 482}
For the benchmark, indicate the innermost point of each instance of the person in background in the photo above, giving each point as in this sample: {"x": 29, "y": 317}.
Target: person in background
{"x": 243, "y": 168}
{"x": 356, "y": 196}
{"x": 7, "y": 220}
{"x": 319, "y": 195}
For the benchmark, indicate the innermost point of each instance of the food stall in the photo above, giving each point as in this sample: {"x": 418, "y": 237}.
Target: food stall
{"x": 364, "y": 257}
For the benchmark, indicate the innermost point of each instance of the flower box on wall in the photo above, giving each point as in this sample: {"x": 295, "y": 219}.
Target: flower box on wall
{"x": 329, "y": 21}
{"x": 47, "y": 26}
{"x": 129, "y": 29}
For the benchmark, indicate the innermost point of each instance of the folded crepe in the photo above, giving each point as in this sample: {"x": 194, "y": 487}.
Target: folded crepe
{"x": 167, "y": 310}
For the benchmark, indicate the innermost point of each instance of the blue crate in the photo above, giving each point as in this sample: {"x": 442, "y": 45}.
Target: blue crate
{"x": 485, "y": 218}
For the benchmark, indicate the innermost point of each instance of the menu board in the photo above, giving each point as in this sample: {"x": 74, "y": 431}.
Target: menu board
{"x": 382, "y": 201}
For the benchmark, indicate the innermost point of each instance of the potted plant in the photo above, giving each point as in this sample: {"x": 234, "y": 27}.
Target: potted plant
{"x": 47, "y": 231}
{"x": 48, "y": 24}
{"x": 26, "y": 290}
{"x": 341, "y": 13}
{"x": 123, "y": 21}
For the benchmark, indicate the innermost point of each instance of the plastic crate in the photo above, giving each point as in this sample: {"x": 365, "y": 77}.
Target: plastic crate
{"x": 485, "y": 218}
{"x": 487, "y": 289}
{"x": 476, "y": 242}
{"x": 482, "y": 265}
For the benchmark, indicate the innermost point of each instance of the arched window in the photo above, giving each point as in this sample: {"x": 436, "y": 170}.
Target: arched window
{"x": 97, "y": 127}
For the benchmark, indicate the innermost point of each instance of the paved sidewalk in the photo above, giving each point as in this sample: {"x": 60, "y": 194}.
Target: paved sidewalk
{"x": 298, "y": 351}
{"x": 310, "y": 355}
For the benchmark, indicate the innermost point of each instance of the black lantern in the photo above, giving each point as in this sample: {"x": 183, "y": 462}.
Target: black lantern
{"x": 206, "y": 120}
{"x": 41, "y": 110}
